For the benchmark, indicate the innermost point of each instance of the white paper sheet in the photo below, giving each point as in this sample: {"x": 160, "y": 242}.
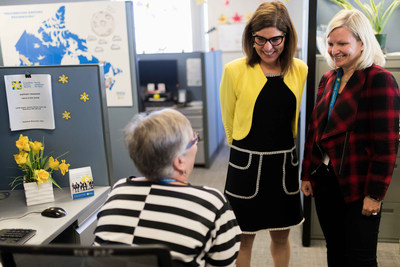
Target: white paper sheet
{"x": 30, "y": 102}
{"x": 193, "y": 72}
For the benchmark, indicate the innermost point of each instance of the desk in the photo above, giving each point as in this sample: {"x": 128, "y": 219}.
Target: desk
{"x": 79, "y": 214}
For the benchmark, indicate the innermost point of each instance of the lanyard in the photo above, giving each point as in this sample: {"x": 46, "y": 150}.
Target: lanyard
{"x": 335, "y": 90}
{"x": 167, "y": 180}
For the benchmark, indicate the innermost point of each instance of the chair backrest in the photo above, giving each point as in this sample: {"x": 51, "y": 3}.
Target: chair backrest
{"x": 82, "y": 256}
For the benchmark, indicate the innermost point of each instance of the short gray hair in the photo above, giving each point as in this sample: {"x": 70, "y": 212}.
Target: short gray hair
{"x": 356, "y": 22}
{"x": 154, "y": 140}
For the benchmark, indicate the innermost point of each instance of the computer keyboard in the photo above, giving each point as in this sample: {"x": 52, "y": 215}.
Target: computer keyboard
{"x": 15, "y": 236}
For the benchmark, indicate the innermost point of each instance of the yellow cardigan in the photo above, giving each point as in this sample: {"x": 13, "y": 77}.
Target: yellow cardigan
{"x": 240, "y": 86}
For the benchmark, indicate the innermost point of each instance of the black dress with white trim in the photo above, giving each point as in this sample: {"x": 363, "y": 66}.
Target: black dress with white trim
{"x": 262, "y": 181}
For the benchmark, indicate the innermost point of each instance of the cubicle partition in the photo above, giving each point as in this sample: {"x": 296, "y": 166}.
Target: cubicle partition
{"x": 81, "y": 123}
{"x": 102, "y": 44}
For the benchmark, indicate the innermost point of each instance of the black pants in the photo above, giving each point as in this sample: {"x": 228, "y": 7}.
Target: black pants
{"x": 351, "y": 238}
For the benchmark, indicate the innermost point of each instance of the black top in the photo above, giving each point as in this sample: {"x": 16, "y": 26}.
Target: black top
{"x": 273, "y": 113}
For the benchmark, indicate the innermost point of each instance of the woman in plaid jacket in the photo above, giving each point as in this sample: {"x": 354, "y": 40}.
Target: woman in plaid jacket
{"x": 352, "y": 141}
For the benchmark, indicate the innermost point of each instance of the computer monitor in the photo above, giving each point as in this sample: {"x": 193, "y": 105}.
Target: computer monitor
{"x": 84, "y": 256}
{"x": 158, "y": 71}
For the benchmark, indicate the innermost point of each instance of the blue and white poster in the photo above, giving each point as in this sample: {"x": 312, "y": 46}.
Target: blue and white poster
{"x": 71, "y": 33}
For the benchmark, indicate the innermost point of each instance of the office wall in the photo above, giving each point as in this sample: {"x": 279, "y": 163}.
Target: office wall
{"x": 326, "y": 10}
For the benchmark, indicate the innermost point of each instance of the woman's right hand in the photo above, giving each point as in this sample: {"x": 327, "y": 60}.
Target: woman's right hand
{"x": 306, "y": 188}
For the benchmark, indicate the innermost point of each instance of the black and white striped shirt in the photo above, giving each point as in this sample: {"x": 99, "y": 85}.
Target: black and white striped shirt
{"x": 195, "y": 222}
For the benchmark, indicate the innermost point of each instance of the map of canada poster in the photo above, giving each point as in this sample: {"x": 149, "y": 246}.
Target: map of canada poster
{"x": 69, "y": 34}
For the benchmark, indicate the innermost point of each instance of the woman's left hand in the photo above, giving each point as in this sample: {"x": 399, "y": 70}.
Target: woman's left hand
{"x": 370, "y": 206}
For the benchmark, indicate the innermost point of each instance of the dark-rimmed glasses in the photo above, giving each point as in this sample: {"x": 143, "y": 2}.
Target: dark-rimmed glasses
{"x": 196, "y": 139}
{"x": 274, "y": 41}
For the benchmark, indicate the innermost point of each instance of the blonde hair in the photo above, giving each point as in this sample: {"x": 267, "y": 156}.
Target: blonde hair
{"x": 356, "y": 22}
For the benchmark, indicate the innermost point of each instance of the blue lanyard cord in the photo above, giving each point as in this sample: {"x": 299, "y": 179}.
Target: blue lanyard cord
{"x": 335, "y": 90}
{"x": 167, "y": 180}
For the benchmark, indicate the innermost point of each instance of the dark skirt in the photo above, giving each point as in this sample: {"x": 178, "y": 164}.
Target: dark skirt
{"x": 263, "y": 189}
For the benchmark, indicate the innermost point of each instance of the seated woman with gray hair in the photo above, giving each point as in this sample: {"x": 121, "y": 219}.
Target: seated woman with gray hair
{"x": 195, "y": 222}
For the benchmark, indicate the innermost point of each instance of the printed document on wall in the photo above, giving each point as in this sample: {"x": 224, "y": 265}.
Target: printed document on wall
{"x": 193, "y": 72}
{"x": 30, "y": 102}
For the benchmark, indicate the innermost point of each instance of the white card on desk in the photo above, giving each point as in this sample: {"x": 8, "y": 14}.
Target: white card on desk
{"x": 81, "y": 182}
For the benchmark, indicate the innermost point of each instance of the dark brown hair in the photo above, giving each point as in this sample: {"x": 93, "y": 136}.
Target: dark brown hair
{"x": 270, "y": 14}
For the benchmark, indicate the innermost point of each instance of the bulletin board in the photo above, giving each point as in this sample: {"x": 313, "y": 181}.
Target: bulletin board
{"x": 84, "y": 133}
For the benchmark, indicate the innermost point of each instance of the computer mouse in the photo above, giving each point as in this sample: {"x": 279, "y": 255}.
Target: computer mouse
{"x": 54, "y": 212}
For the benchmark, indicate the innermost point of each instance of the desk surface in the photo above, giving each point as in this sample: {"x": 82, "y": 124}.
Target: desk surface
{"x": 47, "y": 228}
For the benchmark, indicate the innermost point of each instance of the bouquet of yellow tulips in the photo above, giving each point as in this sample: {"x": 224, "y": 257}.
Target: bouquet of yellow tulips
{"x": 37, "y": 167}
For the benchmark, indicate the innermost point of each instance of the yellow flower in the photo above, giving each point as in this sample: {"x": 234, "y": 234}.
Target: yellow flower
{"x": 23, "y": 143}
{"x": 42, "y": 176}
{"x": 84, "y": 97}
{"x": 36, "y": 147}
{"x": 53, "y": 163}
{"x": 63, "y": 167}
{"x": 36, "y": 166}
{"x": 248, "y": 16}
{"x": 223, "y": 19}
{"x": 63, "y": 78}
{"x": 66, "y": 115}
{"x": 21, "y": 158}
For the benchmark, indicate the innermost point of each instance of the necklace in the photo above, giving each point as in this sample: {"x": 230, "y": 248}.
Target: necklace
{"x": 273, "y": 75}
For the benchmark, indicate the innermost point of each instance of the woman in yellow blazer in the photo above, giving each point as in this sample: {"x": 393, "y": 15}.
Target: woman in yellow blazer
{"x": 260, "y": 103}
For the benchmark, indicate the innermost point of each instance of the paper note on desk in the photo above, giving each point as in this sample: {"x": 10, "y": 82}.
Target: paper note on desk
{"x": 30, "y": 102}
{"x": 81, "y": 182}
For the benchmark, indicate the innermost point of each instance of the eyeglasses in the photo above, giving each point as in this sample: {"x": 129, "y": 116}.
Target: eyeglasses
{"x": 274, "y": 41}
{"x": 196, "y": 139}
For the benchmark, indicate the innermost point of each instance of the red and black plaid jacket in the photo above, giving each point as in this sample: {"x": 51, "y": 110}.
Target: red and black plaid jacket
{"x": 361, "y": 135}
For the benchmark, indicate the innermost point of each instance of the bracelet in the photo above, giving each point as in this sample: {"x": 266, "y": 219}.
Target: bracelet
{"x": 374, "y": 198}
